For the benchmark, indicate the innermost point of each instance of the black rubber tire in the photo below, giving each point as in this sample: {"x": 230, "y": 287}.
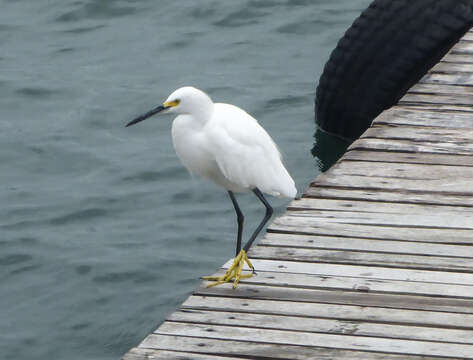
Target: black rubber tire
{"x": 387, "y": 50}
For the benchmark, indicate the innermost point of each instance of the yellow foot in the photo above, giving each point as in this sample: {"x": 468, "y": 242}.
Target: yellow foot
{"x": 234, "y": 272}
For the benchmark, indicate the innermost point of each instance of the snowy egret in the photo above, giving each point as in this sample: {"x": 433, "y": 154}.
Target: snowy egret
{"x": 225, "y": 144}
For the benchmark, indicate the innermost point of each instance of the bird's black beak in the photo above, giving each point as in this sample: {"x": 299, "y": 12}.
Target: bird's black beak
{"x": 147, "y": 115}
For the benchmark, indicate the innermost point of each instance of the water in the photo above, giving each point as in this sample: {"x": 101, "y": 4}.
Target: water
{"x": 102, "y": 232}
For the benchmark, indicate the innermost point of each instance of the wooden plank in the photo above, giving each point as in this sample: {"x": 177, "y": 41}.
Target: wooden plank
{"x": 441, "y": 89}
{"x": 347, "y": 283}
{"x": 462, "y": 47}
{"x": 150, "y": 354}
{"x": 292, "y": 224}
{"x": 453, "y": 67}
{"x": 468, "y": 36}
{"x": 387, "y": 195}
{"x": 409, "y": 146}
{"x": 357, "y": 153}
{"x": 323, "y": 326}
{"x": 260, "y": 350}
{"x": 362, "y": 272}
{"x": 466, "y": 109}
{"x": 457, "y": 180}
{"x": 365, "y": 258}
{"x": 365, "y": 245}
{"x": 349, "y": 342}
{"x": 448, "y": 78}
{"x": 433, "y": 220}
{"x": 458, "y": 220}
{"x": 402, "y": 171}
{"x": 428, "y": 139}
{"x": 361, "y": 206}
{"x": 414, "y": 116}
{"x": 458, "y": 58}
{"x": 345, "y": 312}
{"x": 418, "y": 139}
{"x": 425, "y": 181}
{"x": 324, "y": 296}
{"x": 419, "y": 98}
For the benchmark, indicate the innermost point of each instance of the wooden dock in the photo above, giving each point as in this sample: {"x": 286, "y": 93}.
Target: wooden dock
{"x": 374, "y": 262}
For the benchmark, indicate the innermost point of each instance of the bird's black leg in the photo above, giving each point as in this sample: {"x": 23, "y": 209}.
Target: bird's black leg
{"x": 234, "y": 273}
{"x": 267, "y": 216}
{"x": 240, "y": 219}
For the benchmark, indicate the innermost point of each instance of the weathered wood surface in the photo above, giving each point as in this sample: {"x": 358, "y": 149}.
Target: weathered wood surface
{"x": 359, "y": 297}
{"x": 311, "y": 323}
{"x": 345, "y": 341}
{"x": 375, "y": 261}
{"x": 458, "y": 58}
{"x": 368, "y": 314}
{"x": 366, "y": 245}
{"x": 455, "y": 117}
{"x": 251, "y": 350}
{"x": 390, "y": 196}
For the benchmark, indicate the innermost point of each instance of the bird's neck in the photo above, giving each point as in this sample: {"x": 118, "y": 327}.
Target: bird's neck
{"x": 202, "y": 112}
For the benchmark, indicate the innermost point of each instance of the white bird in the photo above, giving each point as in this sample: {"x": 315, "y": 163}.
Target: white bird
{"x": 225, "y": 144}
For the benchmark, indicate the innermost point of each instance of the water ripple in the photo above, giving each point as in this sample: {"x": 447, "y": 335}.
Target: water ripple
{"x": 98, "y": 9}
{"x": 80, "y": 326}
{"x": 301, "y": 27}
{"x": 84, "y": 29}
{"x": 13, "y": 259}
{"x": 118, "y": 277}
{"x": 79, "y": 216}
{"x": 179, "y": 44}
{"x": 263, "y": 4}
{"x": 241, "y": 17}
{"x": 83, "y": 269}
{"x": 65, "y": 50}
{"x": 290, "y": 100}
{"x": 152, "y": 176}
{"x": 37, "y": 92}
{"x": 202, "y": 12}
{"x": 26, "y": 269}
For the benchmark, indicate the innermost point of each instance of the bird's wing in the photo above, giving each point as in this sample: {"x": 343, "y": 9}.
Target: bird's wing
{"x": 245, "y": 153}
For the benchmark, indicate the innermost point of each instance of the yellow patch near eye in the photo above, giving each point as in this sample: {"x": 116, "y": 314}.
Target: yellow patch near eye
{"x": 171, "y": 103}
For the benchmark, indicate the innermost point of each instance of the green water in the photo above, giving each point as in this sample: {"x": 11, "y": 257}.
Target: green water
{"x": 102, "y": 232}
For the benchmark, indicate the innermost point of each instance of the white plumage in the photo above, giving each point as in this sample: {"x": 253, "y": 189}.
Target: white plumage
{"x": 225, "y": 144}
